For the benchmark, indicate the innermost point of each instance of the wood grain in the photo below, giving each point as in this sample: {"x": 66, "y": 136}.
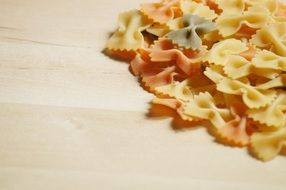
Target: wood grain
{"x": 72, "y": 118}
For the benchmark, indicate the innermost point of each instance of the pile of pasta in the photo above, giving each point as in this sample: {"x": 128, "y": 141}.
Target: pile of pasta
{"x": 220, "y": 61}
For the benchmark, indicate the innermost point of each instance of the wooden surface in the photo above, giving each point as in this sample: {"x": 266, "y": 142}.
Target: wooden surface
{"x": 72, "y": 118}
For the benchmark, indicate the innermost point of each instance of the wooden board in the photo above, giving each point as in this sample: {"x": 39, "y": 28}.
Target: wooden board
{"x": 72, "y": 118}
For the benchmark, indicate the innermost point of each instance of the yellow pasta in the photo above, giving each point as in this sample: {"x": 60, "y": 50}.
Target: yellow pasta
{"x": 238, "y": 67}
{"x": 219, "y": 54}
{"x": 232, "y": 6}
{"x": 191, "y": 7}
{"x": 202, "y": 106}
{"x": 269, "y": 60}
{"x": 266, "y": 145}
{"x": 179, "y": 90}
{"x": 276, "y": 8}
{"x": 158, "y": 30}
{"x": 215, "y": 73}
{"x": 279, "y": 14}
{"x": 252, "y": 97}
{"x": 270, "y": 5}
{"x": 129, "y": 36}
{"x": 272, "y": 115}
{"x": 279, "y": 81}
{"x": 229, "y": 23}
{"x": 272, "y": 37}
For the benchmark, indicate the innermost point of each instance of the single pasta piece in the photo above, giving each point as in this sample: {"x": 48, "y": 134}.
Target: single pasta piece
{"x": 175, "y": 105}
{"x": 219, "y": 53}
{"x": 272, "y": 115}
{"x": 191, "y": 7}
{"x": 189, "y": 36}
{"x": 229, "y": 23}
{"x": 129, "y": 34}
{"x": 272, "y": 37}
{"x": 161, "y": 12}
{"x": 266, "y": 145}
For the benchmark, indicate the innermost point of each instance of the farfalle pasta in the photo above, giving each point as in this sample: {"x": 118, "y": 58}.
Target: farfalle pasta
{"x": 271, "y": 115}
{"x": 232, "y": 6}
{"x": 251, "y": 96}
{"x": 238, "y": 67}
{"x": 161, "y": 12}
{"x": 192, "y": 7}
{"x": 219, "y": 53}
{"x": 229, "y": 23}
{"x": 266, "y": 145}
{"x": 269, "y": 60}
{"x": 216, "y": 61}
{"x": 129, "y": 34}
{"x": 178, "y": 90}
{"x": 203, "y": 106}
{"x": 174, "y": 104}
{"x": 189, "y": 36}
{"x": 272, "y": 37}
{"x": 163, "y": 51}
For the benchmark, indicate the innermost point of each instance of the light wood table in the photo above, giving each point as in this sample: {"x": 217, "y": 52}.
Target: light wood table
{"x": 72, "y": 118}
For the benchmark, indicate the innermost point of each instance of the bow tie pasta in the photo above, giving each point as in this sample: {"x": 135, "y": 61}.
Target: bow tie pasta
{"x": 189, "y": 36}
{"x": 218, "y": 61}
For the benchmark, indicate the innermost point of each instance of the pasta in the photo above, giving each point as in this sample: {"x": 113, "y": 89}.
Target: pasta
{"x": 272, "y": 37}
{"x": 158, "y": 30}
{"x": 269, "y": 60}
{"x": 161, "y": 12}
{"x": 129, "y": 36}
{"x": 179, "y": 90}
{"x": 252, "y": 97}
{"x": 152, "y": 75}
{"x": 280, "y": 13}
{"x": 217, "y": 61}
{"x": 276, "y": 8}
{"x": 270, "y": 5}
{"x": 229, "y": 23}
{"x": 266, "y": 145}
{"x": 163, "y": 51}
{"x": 279, "y": 81}
{"x": 271, "y": 115}
{"x": 235, "y": 131}
{"x": 191, "y": 7}
{"x": 232, "y": 6}
{"x": 189, "y": 35}
{"x": 158, "y": 78}
{"x": 238, "y": 67}
{"x": 175, "y": 105}
{"x": 219, "y": 54}
{"x": 202, "y": 106}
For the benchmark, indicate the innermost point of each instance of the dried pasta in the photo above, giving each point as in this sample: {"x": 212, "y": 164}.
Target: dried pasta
{"x": 217, "y": 61}
{"x": 229, "y": 23}
{"x": 129, "y": 36}
{"x": 266, "y": 145}
{"x": 161, "y": 12}
{"x": 193, "y": 27}
{"x": 202, "y": 106}
{"x": 272, "y": 37}
{"x": 178, "y": 90}
{"x": 191, "y": 7}
{"x": 271, "y": 115}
